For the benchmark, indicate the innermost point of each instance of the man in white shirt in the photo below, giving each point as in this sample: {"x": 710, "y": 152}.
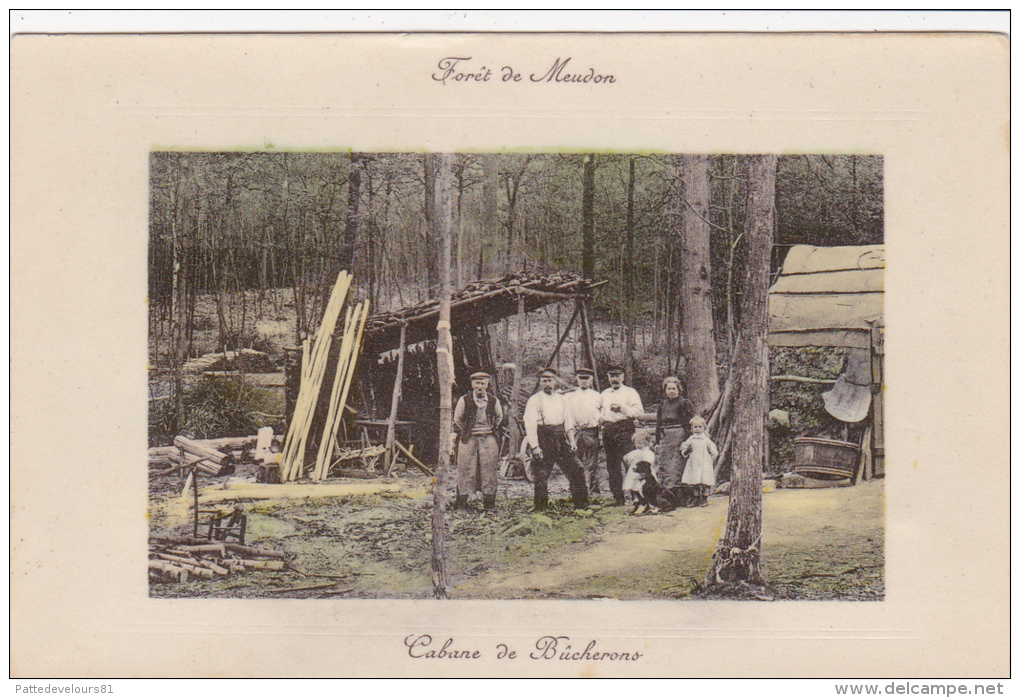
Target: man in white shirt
{"x": 549, "y": 430}
{"x": 621, "y": 404}
{"x": 585, "y": 407}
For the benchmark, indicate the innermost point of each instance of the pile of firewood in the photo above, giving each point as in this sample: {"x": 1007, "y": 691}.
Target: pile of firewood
{"x": 212, "y": 457}
{"x": 180, "y": 559}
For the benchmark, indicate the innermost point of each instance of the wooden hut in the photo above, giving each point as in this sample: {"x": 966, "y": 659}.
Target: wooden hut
{"x": 473, "y": 309}
{"x": 833, "y": 297}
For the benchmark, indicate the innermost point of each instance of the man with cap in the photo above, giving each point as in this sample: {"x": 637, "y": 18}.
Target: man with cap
{"x": 549, "y": 430}
{"x": 620, "y": 405}
{"x": 476, "y": 421}
{"x": 585, "y": 406}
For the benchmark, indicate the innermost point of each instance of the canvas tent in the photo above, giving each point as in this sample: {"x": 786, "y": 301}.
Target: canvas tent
{"x": 833, "y": 297}
{"x": 827, "y": 297}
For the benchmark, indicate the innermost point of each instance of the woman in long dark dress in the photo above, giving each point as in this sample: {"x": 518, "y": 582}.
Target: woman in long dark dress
{"x": 675, "y": 413}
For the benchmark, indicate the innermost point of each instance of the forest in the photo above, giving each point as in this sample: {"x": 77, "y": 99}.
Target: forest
{"x": 276, "y": 227}
{"x": 674, "y": 255}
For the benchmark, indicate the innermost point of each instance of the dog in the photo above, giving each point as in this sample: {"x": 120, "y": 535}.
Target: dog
{"x": 651, "y": 496}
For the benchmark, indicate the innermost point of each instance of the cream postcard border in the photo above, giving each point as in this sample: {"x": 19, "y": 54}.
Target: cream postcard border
{"x": 87, "y": 110}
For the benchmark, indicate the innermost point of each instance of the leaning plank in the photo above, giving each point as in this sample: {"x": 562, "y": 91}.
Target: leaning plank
{"x": 312, "y": 372}
{"x": 351, "y": 361}
{"x": 421, "y": 466}
{"x": 328, "y": 433}
{"x": 391, "y": 430}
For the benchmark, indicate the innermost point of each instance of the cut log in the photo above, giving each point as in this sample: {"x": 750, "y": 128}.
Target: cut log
{"x": 254, "y": 551}
{"x": 275, "y": 565}
{"x": 168, "y": 569}
{"x": 228, "y": 443}
{"x": 204, "y": 466}
{"x": 197, "y": 448}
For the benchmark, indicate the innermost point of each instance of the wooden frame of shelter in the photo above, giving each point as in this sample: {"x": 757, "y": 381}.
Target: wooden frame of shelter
{"x": 473, "y": 309}
{"x": 834, "y": 297}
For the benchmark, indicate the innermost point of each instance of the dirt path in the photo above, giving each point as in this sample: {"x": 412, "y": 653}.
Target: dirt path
{"x": 818, "y": 544}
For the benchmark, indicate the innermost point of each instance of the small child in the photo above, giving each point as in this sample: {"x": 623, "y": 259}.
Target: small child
{"x": 634, "y": 481}
{"x": 701, "y": 452}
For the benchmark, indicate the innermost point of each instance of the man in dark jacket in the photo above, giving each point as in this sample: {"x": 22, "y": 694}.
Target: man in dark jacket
{"x": 477, "y": 419}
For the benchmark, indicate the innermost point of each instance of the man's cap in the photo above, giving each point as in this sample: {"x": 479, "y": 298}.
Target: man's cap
{"x": 585, "y": 372}
{"x": 548, "y": 372}
{"x": 615, "y": 369}
{"x": 480, "y": 374}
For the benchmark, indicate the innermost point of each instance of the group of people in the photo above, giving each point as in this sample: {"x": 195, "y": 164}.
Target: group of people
{"x": 563, "y": 430}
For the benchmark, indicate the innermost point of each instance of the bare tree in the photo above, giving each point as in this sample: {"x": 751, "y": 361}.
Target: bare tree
{"x": 588, "y": 217}
{"x": 696, "y": 282}
{"x": 352, "y": 219}
{"x": 737, "y": 565}
{"x": 444, "y": 221}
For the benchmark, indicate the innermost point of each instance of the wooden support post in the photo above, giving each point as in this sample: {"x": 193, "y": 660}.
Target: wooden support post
{"x": 515, "y": 395}
{"x": 391, "y": 425}
{"x": 589, "y": 341}
{"x": 570, "y": 324}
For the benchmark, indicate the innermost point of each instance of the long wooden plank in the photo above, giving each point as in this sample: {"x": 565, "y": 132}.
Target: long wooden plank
{"x": 292, "y": 465}
{"x": 343, "y": 357}
{"x": 329, "y": 437}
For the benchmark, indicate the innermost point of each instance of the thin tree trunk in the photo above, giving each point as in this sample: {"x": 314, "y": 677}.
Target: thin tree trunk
{"x": 696, "y": 283}
{"x": 351, "y": 220}
{"x": 432, "y": 262}
{"x": 588, "y": 218}
{"x": 737, "y": 562}
{"x": 490, "y": 206}
{"x": 628, "y": 273}
{"x": 444, "y": 181}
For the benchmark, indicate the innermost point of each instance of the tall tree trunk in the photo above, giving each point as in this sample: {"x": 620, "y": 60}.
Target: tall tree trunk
{"x": 460, "y": 223}
{"x": 351, "y": 220}
{"x": 490, "y": 206}
{"x": 180, "y": 204}
{"x": 628, "y": 274}
{"x": 696, "y": 283}
{"x": 588, "y": 217}
{"x": 431, "y": 261}
{"x": 737, "y": 562}
{"x": 445, "y": 212}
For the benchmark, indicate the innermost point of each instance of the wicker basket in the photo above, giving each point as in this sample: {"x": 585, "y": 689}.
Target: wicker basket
{"x": 825, "y": 459}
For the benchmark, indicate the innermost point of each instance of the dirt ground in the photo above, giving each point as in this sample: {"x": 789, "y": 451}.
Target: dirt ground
{"x": 817, "y": 544}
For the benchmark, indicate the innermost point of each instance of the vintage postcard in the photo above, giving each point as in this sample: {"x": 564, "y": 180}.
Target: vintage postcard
{"x": 603, "y": 355}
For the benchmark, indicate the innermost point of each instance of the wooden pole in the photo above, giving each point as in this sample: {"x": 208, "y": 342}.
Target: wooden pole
{"x": 515, "y": 395}
{"x": 391, "y": 425}
{"x": 444, "y": 364}
{"x": 588, "y": 342}
{"x": 570, "y": 324}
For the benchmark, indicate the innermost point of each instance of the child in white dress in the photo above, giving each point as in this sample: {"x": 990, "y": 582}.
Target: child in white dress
{"x": 701, "y": 453}
{"x": 634, "y": 481}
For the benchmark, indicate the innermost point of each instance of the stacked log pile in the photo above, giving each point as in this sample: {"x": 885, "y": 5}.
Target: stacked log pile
{"x": 212, "y": 457}
{"x": 181, "y": 559}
